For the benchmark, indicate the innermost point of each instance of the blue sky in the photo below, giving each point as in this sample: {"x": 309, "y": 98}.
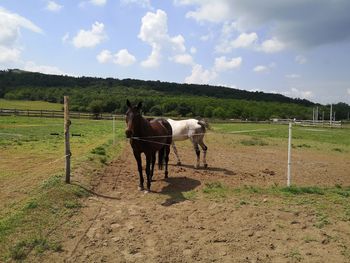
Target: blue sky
{"x": 299, "y": 48}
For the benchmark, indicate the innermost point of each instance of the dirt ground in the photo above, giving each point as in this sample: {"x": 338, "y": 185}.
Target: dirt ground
{"x": 122, "y": 224}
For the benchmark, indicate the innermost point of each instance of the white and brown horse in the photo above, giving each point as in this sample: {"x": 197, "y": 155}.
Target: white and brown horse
{"x": 190, "y": 129}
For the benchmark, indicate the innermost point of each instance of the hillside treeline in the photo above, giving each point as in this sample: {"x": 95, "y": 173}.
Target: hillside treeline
{"x": 109, "y": 95}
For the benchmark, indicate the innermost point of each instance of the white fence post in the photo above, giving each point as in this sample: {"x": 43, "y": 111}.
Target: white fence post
{"x": 289, "y": 153}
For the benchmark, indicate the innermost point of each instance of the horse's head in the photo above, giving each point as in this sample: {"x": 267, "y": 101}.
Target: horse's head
{"x": 133, "y": 115}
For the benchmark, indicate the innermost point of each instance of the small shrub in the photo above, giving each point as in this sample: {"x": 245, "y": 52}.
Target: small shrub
{"x": 304, "y": 145}
{"x": 103, "y": 160}
{"x": 215, "y": 189}
{"x": 254, "y": 142}
{"x": 99, "y": 150}
{"x": 32, "y": 204}
{"x": 51, "y": 182}
{"x": 72, "y": 204}
{"x": 303, "y": 190}
{"x": 337, "y": 150}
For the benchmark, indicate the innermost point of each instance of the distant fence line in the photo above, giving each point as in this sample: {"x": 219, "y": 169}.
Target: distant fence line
{"x": 109, "y": 116}
{"x": 58, "y": 114}
{"x": 313, "y": 123}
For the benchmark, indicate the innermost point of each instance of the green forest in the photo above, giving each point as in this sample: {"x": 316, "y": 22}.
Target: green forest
{"x": 97, "y": 95}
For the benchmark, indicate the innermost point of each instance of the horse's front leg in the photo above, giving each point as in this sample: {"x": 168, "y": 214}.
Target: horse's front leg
{"x": 139, "y": 166}
{"x": 176, "y": 154}
{"x": 148, "y": 171}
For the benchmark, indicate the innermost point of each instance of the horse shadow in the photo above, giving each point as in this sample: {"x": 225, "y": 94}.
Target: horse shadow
{"x": 176, "y": 188}
{"x": 209, "y": 168}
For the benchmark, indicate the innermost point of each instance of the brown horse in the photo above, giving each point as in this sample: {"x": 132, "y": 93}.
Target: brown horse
{"x": 148, "y": 137}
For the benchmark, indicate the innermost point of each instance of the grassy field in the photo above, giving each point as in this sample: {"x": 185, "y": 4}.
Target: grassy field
{"x": 324, "y": 139}
{"x": 34, "y": 200}
{"x": 29, "y": 105}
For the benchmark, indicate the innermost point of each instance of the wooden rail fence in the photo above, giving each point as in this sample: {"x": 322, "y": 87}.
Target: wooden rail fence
{"x": 58, "y": 114}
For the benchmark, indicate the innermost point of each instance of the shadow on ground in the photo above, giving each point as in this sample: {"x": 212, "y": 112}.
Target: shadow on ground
{"x": 209, "y": 168}
{"x": 176, "y": 188}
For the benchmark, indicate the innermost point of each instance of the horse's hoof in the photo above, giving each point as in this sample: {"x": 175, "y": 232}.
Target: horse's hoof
{"x": 178, "y": 163}
{"x": 140, "y": 188}
{"x": 196, "y": 166}
{"x": 147, "y": 191}
{"x": 205, "y": 166}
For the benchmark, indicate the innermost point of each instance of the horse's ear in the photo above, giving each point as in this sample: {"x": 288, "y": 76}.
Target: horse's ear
{"x": 139, "y": 106}
{"x": 128, "y": 103}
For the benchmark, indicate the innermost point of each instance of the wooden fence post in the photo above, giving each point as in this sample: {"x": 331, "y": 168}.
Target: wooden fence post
{"x": 67, "y": 123}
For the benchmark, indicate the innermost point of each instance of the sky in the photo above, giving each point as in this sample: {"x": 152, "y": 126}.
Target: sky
{"x": 298, "y": 48}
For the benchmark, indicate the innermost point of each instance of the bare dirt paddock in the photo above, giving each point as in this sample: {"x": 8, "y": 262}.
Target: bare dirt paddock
{"x": 209, "y": 216}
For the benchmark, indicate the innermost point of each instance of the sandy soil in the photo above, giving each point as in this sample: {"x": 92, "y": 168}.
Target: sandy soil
{"x": 121, "y": 224}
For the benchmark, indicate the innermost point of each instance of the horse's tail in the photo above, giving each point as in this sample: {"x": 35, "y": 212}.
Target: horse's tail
{"x": 161, "y": 155}
{"x": 204, "y": 124}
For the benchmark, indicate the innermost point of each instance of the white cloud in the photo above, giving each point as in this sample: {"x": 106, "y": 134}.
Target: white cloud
{"x": 296, "y": 93}
{"x": 272, "y": 46}
{"x": 53, "y": 6}
{"x": 10, "y": 25}
{"x": 200, "y": 75}
{"x": 90, "y": 38}
{"x": 292, "y": 76}
{"x": 244, "y": 40}
{"x": 193, "y": 50}
{"x": 65, "y": 38}
{"x": 205, "y": 38}
{"x": 212, "y": 11}
{"x": 9, "y": 54}
{"x": 154, "y": 31}
{"x": 300, "y": 59}
{"x": 184, "y": 59}
{"x": 153, "y": 59}
{"x": 10, "y": 32}
{"x": 261, "y": 69}
{"x": 124, "y": 58}
{"x": 32, "y": 66}
{"x": 222, "y": 64}
{"x": 98, "y": 2}
{"x": 104, "y": 56}
{"x": 141, "y": 3}
{"x": 348, "y": 90}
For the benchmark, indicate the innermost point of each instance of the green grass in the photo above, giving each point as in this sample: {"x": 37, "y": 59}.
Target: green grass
{"x": 29, "y": 153}
{"x": 29, "y": 105}
{"x": 303, "y": 137}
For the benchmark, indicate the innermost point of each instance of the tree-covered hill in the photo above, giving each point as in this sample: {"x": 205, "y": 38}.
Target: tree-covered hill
{"x": 160, "y": 98}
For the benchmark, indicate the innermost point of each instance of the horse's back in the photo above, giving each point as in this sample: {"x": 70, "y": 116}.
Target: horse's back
{"x": 183, "y": 129}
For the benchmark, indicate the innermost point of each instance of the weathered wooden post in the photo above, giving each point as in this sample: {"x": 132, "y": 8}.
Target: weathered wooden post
{"x": 67, "y": 123}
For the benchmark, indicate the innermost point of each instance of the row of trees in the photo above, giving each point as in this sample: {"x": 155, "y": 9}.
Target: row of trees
{"x": 107, "y": 95}
{"x": 18, "y": 78}
{"x": 96, "y": 99}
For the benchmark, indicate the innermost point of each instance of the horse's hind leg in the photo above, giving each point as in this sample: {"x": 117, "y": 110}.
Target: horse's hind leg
{"x": 167, "y": 151}
{"x": 177, "y": 155}
{"x": 139, "y": 166}
{"x": 198, "y": 152}
{"x": 204, "y": 148}
{"x": 152, "y": 164}
{"x": 148, "y": 171}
